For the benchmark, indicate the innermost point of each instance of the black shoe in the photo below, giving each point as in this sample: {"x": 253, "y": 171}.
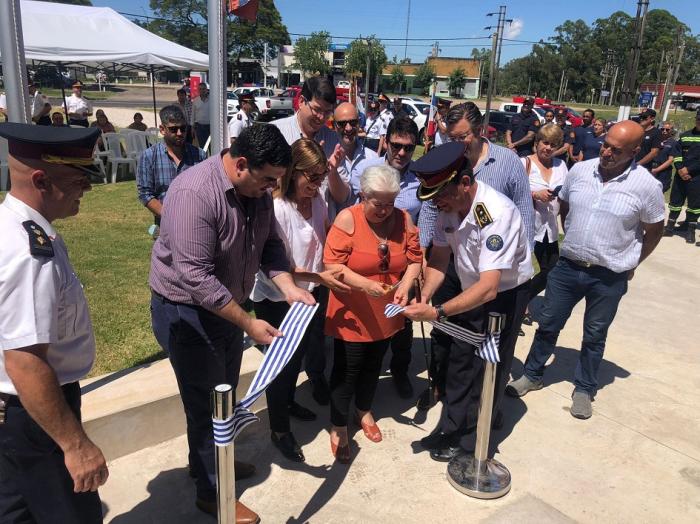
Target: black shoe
{"x": 496, "y": 422}
{"x": 527, "y": 319}
{"x": 438, "y": 440}
{"x": 300, "y": 412}
{"x": 682, "y": 227}
{"x": 287, "y": 444}
{"x": 320, "y": 391}
{"x": 427, "y": 399}
{"x": 445, "y": 454}
{"x": 403, "y": 386}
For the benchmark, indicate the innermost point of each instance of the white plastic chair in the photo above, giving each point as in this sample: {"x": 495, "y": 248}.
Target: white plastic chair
{"x": 153, "y": 136}
{"x": 113, "y": 144}
{"x": 136, "y": 143}
{"x": 4, "y": 168}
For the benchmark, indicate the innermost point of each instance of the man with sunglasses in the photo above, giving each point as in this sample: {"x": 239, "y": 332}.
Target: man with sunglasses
{"x": 219, "y": 230}
{"x": 402, "y": 137}
{"x": 316, "y": 105}
{"x": 482, "y": 230}
{"x": 162, "y": 162}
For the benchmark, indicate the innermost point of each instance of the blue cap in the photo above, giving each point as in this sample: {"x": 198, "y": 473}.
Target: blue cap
{"x": 438, "y": 167}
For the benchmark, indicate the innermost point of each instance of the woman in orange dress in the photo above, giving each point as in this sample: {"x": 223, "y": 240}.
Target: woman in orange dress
{"x": 376, "y": 247}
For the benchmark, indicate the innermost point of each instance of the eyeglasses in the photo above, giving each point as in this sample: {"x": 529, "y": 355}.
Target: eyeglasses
{"x": 667, "y": 130}
{"x": 384, "y": 257}
{"x": 396, "y": 147}
{"x": 318, "y": 111}
{"x": 340, "y": 124}
{"x": 315, "y": 180}
{"x": 460, "y": 138}
{"x": 175, "y": 129}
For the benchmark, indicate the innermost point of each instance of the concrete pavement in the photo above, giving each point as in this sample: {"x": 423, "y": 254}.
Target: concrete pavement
{"x": 636, "y": 460}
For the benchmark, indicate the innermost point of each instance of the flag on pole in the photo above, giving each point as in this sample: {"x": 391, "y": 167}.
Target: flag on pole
{"x": 246, "y": 9}
{"x": 433, "y": 107}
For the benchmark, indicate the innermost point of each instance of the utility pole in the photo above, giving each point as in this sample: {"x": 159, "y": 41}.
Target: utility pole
{"x": 496, "y": 54}
{"x": 658, "y": 78}
{"x": 561, "y": 84}
{"x": 265, "y": 66}
{"x": 612, "y": 86}
{"x": 629, "y": 87}
{"x": 369, "y": 55}
{"x": 670, "y": 86}
{"x": 489, "y": 91}
{"x": 408, "y": 22}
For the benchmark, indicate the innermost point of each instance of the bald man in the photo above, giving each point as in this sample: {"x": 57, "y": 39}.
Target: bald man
{"x": 613, "y": 215}
{"x": 50, "y": 469}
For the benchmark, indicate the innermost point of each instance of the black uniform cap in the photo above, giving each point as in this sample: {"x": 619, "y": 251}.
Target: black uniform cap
{"x": 438, "y": 167}
{"x": 67, "y": 146}
{"x": 246, "y": 97}
{"x": 529, "y": 101}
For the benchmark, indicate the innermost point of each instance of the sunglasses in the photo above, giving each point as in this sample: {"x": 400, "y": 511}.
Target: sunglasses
{"x": 384, "y": 257}
{"x": 340, "y": 124}
{"x": 396, "y": 147}
{"x": 175, "y": 129}
{"x": 315, "y": 180}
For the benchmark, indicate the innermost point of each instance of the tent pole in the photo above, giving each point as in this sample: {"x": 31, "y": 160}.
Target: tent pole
{"x": 153, "y": 91}
{"x": 63, "y": 89}
{"x": 14, "y": 64}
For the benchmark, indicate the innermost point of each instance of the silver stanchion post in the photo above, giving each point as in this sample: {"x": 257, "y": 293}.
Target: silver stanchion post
{"x": 477, "y": 475}
{"x": 222, "y": 407}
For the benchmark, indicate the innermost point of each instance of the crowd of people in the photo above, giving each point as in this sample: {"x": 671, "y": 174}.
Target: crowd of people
{"x": 297, "y": 211}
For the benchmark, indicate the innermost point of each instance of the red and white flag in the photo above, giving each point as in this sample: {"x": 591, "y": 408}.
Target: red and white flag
{"x": 246, "y": 9}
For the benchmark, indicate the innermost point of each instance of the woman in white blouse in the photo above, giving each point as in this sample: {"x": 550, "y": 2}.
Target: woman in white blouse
{"x": 302, "y": 219}
{"x": 546, "y": 174}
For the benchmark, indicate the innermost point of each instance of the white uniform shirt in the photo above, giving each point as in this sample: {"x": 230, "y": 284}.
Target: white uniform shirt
{"x": 200, "y": 111}
{"x": 38, "y": 103}
{"x": 238, "y": 123}
{"x": 546, "y": 212}
{"x": 3, "y": 101}
{"x": 503, "y": 244}
{"x": 41, "y": 299}
{"x": 78, "y": 105}
{"x": 604, "y": 223}
{"x": 387, "y": 116}
{"x": 303, "y": 240}
{"x": 374, "y": 127}
{"x": 441, "y": 139}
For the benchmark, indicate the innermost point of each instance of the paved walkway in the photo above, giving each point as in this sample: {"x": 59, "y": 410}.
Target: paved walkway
{"x": 636, "y": 460}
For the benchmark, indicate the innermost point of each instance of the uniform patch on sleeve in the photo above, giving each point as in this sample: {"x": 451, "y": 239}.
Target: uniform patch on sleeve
{"x": 494, "y": 243}
{"x": 482, "y": 215}
{"x": 39, "y": 242}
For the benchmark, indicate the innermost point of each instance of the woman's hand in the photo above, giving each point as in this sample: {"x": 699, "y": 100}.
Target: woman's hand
{"x": 333, "y": 280}
{"x": 374, "y": 288}
{"x": 401, "y": 294}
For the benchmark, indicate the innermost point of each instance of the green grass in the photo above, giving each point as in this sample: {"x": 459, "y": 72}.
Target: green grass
{"x": 90, "y": 95}
{"x": 110, "y": 250}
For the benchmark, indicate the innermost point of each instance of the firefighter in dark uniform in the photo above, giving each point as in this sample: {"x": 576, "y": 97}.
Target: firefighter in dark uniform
{"x": 566, "y": 149}
{"x": 686, "y": 182}
{"x": 522, "y": 129}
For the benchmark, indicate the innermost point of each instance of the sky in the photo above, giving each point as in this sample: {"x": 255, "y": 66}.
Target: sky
{"x": 440, "y": 20}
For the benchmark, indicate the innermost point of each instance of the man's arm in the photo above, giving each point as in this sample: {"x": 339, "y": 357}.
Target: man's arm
{"x": 563, "y": 211}
{"x": 529, "y": 137}
{"x": 145, "y": 184}
{"x": 435, "y": 271}
{"x": 41, "y": 395}
{"x": 509, "y": 141}
{"x": 652, "y": 236}
{"x": 522, "y": 198}
{"x": 154, "y": 206}
{"x": 649, "y": 156}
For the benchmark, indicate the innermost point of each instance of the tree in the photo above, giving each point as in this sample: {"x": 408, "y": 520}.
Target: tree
{"x": 356, "y": 58}
{"x": 456, "y": 81}
{"x": 398, "y": 78}
{"x": 309, "y": 53}
{"x": 424, "y": 77}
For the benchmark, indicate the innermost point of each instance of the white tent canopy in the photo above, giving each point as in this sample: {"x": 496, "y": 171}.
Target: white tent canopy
{"x": 94, "y": 36}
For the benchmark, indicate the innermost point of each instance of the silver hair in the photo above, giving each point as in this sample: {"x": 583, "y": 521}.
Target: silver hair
{"x": 380, "y": 179}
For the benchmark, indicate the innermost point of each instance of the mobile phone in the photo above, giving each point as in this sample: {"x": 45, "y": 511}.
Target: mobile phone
{"x": 555, "y": 191}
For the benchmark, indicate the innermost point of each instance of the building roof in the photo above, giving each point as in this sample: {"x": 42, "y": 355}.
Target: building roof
{"x": 442, "y": 65}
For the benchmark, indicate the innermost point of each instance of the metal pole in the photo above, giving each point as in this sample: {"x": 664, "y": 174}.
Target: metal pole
{"x": 612, "y": 87}
{"x": 153, "y": 93}
{"x": 668, "y": 93}
{"x": 408, "y": 22}
{"x": 217, "y": 73}
{"x": 369, "y": 51}
{"x": 265, "y": 66}
{"x": 13, "y": 63}
{"x": 222, "y": 407}
{"x": 489, "y": 91}
{"x": 477, "y": 475}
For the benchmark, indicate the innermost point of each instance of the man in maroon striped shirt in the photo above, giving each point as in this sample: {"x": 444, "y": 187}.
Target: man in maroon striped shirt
{"x": 218, "y": 229}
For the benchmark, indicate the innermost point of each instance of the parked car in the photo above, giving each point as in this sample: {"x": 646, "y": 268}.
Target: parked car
{"x": 419, "y": 112}
{"x": 270, "y": 106}
{"x": 343, "y": 84}
{"x": 499, "y": 120}
{"x": 294, "y": 93}
{"x": 231, "y": 104}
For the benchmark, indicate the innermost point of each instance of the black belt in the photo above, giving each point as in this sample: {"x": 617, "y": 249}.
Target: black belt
{"x": 582, "y": 263}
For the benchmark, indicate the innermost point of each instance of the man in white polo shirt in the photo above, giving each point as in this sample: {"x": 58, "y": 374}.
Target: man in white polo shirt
{"x": 613, "y": 215}
{"x": 490, "y": 243}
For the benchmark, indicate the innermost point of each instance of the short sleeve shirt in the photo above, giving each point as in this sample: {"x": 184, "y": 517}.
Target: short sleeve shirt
{"x": 651, "y": 140}
{"x": 41, "y": 299}
{"x": 501, "y": 244}
{"x": 238, "y": 123}
{"x": 520, "y": 125}
{"x": 78, "y": 105}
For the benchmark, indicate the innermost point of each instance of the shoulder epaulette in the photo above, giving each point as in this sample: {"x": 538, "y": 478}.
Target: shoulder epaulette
{"x": 39, "y": 242}
{"x": 482, "y": 215}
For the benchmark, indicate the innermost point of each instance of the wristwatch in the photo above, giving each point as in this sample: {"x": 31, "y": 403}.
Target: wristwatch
{"x": 440, "y": 313}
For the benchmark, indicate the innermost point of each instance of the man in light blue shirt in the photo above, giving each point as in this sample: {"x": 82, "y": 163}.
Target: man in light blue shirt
{"x": 613, "y": 214}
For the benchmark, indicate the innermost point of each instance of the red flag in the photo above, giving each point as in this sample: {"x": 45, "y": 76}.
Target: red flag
{"x": 247, "y": 9}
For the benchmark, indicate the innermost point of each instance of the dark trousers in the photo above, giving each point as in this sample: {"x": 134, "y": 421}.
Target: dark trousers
{"x": 202, "y": 131}
{"x": 205, "y": 350}
{"x": 315, "y": 352}
{"x": 465, "y": 368}
{"x": 35, "y": 486}
{"x": 547, "y": 254}
{"x": 665, "y": 178}
{"x": 567, "y": 285}
{"x": 189, "y": 135}
{"x": 401, "y": 344}
{"x": 356, "y": 368}
{"x": 280, "y": 393}
{"x": 78, "y": 122}
{"x": 681, "y": 191}
{"x": 44, "y": 121}
{"x": 441, "y": 343}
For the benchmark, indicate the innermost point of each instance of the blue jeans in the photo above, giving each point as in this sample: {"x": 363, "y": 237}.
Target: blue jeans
{"x": 567, "y": 284}
{"x": 205, "y": 350}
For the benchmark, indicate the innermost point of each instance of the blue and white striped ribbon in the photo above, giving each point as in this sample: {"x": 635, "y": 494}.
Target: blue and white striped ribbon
{"x": 280, "y": 352}
{"x": 223, "y": 431}
{"x": 486, "y": 344}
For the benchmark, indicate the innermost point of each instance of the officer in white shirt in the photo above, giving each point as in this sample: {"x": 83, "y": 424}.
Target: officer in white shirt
{"x": 50, "y": 469}
{"x": 374, "y": 129}
{"x": 3, "y": 106}
{"x": 79, "y": 108}
{"x": 484, "y": 231}
{"x": 386, "y": 114}
{"x": 41, "y": 108}
{"x": 241, "y": 120}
